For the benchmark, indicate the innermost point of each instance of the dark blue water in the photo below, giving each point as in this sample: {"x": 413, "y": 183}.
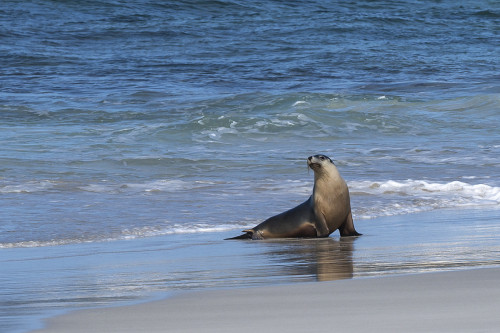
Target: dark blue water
{"x": 125, "y": 120}
{"x": 142, "y": 55}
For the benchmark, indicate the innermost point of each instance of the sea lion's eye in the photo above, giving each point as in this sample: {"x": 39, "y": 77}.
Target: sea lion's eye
{"x": 322, "y": 158}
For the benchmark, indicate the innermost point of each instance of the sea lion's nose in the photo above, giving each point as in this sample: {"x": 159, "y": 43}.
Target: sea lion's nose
{"x": 310, "y": 158}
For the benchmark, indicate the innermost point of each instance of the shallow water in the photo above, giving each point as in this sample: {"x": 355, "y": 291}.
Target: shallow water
{"x": 129, "y": 120}
{"x": 73, "y": 182}
{"x": 44, "y": 281}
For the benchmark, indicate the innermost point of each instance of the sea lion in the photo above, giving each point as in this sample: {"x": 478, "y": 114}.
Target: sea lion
{"x": 326, "y": 210}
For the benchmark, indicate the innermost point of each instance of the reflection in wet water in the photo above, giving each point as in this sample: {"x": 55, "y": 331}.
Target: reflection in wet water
{"x": 324, "y": 259}
{"x": 394, "y": 245}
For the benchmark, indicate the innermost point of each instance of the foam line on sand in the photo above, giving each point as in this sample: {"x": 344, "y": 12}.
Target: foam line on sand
{"x": 459, "y": 301}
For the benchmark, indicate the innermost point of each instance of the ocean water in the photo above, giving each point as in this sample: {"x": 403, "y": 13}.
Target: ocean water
{"x": 135, "y": 135}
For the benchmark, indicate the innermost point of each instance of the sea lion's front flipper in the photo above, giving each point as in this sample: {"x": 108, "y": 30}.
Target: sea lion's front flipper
{"x": 347, "y": 228}
{"x": 321, "y": 226}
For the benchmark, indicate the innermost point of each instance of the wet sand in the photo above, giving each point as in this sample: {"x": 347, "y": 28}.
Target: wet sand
{"x": 406, "y": 271}
{"x": 459, "y": 301}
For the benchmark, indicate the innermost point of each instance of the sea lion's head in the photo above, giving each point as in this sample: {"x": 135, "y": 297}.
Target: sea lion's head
{"x": 319, "y": 162}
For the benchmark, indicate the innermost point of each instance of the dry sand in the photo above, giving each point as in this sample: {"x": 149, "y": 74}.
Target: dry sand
{"x": 460, "y": 301}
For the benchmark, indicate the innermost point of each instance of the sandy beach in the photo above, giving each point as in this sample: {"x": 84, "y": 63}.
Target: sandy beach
{"x": 439, "y": 274}
{"x": 458, "y": 301}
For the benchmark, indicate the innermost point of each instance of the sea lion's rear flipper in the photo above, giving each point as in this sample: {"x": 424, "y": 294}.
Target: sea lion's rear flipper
{"x": 248, "y": 235}
{"x": 347, "y": 228}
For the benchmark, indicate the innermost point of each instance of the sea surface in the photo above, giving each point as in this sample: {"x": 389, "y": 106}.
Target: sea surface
{"x": 136, "y": 135}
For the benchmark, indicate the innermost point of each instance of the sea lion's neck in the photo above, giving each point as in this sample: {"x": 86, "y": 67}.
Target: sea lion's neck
{"x": 325, "y": 180}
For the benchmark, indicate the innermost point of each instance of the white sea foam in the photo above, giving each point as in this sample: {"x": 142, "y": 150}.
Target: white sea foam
{"x": 133, "y": 233}
{"x": 413, "y": 196}
{"x": 218, "y": 129}
{"x": 301, "y": 103}
{"x": 163, "y": 185}
{"x": 449, "y": 194}
{"x": 370, "y": 199}
{"x": 411, "y": 187}
{"x": 178, "y": 229}
{"x": 27, "y": 187}
{"x": 26, "y": 244}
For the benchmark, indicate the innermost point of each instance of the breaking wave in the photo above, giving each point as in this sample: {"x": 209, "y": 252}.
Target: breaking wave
{"x": 479, "y": 192}
{"x": 370, "y": 199}
{"x": 413, "y": 196}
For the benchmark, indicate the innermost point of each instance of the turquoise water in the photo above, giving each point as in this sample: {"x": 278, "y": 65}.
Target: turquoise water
{"x": 142, "y": 125}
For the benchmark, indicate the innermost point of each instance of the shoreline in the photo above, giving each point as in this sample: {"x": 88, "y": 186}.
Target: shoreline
{"x": 453, "y": 301}
{"x": 123, "y": 273}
